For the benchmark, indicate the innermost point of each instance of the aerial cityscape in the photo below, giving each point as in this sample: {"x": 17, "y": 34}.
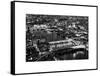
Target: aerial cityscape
{"x": 56, "y": 37}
